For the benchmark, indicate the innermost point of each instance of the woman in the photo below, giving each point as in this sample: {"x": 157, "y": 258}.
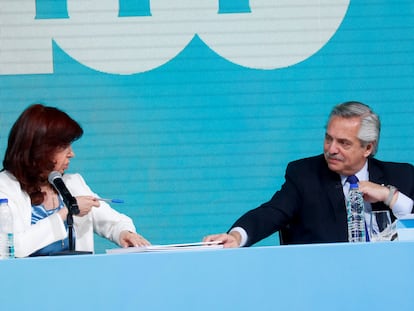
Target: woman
{"x": 40, "y": 142}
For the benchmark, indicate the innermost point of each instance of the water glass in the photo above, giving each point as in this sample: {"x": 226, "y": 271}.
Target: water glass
{"x": 380, "y": 227}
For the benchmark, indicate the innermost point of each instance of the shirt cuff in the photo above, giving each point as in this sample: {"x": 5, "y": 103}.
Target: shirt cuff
{"x": 402, "y": 206}
{"x": 243, "y": 235}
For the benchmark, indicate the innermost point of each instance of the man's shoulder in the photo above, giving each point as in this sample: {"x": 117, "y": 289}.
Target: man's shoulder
{"x": 311, "y": 161}
{"x": 310, "y": 165}
{"x": 389, "y": 164}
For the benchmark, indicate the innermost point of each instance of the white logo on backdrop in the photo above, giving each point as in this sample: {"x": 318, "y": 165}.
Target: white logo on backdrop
{"x": 274, "y": 34}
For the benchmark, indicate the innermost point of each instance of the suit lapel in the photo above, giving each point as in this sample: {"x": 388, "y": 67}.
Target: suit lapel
{"x": 333, "y": 188}
{"x": 376, "y": 175}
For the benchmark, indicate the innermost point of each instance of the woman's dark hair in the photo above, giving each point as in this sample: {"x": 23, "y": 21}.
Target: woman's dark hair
{"x": 35, "y": 137}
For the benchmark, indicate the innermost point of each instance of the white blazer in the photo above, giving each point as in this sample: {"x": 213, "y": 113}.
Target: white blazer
{"x": 29, "y": 238}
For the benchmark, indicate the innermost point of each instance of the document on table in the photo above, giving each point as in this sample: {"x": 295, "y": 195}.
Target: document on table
{"x": 168, "y": 247}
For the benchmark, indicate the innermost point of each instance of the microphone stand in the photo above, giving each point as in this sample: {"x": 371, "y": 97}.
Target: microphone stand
{"x": 73, "y": 209}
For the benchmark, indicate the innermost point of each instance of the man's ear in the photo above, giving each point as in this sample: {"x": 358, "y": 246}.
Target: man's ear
{"x": 369, "y": 148}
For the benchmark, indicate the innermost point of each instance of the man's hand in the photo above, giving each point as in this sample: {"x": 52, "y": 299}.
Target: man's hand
{"x": 231, "y": 240}
{"x": 375, "y": 193}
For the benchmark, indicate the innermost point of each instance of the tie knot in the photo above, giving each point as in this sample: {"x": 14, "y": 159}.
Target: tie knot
{"x": 353, "y": 180}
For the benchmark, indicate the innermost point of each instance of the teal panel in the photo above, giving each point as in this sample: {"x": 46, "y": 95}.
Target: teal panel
{"x": 194, "y": 143}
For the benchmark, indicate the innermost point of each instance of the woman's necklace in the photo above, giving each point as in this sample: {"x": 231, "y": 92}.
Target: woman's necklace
{"x": 51, "y": 200}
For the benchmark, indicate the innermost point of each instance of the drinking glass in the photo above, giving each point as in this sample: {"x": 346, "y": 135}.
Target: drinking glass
{"x": 380, "y": 227}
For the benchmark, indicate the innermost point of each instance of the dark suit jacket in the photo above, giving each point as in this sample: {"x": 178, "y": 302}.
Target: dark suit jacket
{"x": 310, "y": 206}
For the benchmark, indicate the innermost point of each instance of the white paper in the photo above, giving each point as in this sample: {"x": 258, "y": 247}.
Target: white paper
{"x": 168, "y": 247}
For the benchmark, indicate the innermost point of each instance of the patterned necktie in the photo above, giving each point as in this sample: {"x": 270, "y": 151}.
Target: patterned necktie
{"x": 353, "y": 180}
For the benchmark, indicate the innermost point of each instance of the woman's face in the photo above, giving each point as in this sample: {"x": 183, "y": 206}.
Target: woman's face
{"x": 62, "y": 158}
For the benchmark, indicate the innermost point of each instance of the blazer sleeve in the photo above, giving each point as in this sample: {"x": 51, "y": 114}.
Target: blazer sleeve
{"x": 106, "y": 221}
{"x": 28, "y": 238}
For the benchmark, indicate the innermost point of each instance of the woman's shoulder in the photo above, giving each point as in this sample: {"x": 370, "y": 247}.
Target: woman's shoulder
{"x": 9, "y": 186}
{"x": 76, "y": 184}
{"x": 73, "y": 179}
{"x": 72, "y": 176}
{"x": 8, "y": 178}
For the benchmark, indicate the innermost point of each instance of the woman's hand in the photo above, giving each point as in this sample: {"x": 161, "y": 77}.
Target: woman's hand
{"x": 129, "y": 238}
{"x": 85, "y": 204}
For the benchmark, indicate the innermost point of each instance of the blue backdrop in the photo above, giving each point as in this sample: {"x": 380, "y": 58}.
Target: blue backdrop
{"x": 193, "y": 143}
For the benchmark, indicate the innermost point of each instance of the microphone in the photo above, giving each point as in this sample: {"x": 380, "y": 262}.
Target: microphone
{"x": 55, "y": 179}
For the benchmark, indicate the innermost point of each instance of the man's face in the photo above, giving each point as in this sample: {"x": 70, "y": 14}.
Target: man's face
{"x": 343, "y": 150}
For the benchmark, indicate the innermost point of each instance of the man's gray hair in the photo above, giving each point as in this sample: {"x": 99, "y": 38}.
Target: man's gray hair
{"x": 370, "y": 123}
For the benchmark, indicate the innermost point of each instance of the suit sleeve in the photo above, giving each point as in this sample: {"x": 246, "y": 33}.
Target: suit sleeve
{"x": 273, "y": 215}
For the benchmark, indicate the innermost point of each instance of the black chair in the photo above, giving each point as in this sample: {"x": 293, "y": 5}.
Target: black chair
{"x": 284, "y": 236}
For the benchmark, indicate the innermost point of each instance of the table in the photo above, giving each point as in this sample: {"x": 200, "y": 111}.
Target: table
{"x": 342, "y": 276}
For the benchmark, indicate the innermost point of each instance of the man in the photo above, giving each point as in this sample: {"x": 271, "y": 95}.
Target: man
{"x": 310, "y": 206}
